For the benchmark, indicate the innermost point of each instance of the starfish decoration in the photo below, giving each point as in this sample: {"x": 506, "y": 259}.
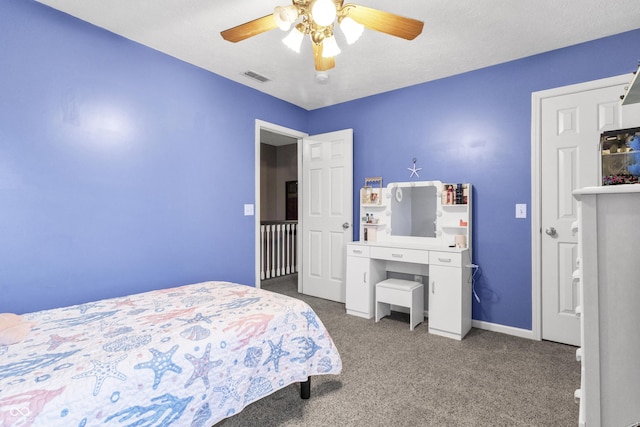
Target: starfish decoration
{"x": 414, "y": 170}
{"x": 230, "y": 389}
{"x": 311, "y": 319}
{"x": 201, "y": 367}
{"x": 160, "y": 364}
{"x": 276, "y": 354}
{"x": 102, "y": 371}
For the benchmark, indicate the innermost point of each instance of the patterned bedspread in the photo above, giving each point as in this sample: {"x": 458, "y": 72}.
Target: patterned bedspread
{"x": 186, "y": 356}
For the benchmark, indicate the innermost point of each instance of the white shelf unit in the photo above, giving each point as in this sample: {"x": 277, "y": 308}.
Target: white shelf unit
{"x": 377, "y": 209}
{"x": 607, "y": 275}
{"x": 455, "y": 218}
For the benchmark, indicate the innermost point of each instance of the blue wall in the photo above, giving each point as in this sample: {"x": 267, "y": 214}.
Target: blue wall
{"x": 121, "y": 169}
{"x": 476, "y": 127}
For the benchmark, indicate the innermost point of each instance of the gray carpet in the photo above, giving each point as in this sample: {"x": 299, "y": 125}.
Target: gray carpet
{"x": 394, "y": 377}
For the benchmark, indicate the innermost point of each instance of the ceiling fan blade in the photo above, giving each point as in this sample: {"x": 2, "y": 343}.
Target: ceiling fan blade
{"x": 385, "y": 22}
{"x": 249, "y": 29}
{"x": 322, "y": 63}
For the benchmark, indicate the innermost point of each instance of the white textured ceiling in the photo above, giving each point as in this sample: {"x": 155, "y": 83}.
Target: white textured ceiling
{"x": 458, "y": 36}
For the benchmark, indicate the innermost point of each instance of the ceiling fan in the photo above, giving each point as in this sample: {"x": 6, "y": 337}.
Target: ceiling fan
{"x": 317, "y": 18}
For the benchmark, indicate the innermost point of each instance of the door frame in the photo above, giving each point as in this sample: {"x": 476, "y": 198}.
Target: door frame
{"x": 536, "y": 202}
{"x": 271, "y": 127}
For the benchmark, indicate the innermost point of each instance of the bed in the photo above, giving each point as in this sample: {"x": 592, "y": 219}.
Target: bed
{"x": 186, "y": 356}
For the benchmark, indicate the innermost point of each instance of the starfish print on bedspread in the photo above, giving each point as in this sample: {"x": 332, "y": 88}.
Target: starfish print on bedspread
{"x": 276, "y": 354}
{"x": 199, "y": 318}
{"x": 56, "y": 340}
{"x": 102, "y": 371}
{"x": 162, "y": 412}
{"x": 229, "y": 389}
{"x": 201, "y": 367}
{"x": 249, "y": 327}
{"x": 311, "y": 318}
{"x": 160, "y": 364}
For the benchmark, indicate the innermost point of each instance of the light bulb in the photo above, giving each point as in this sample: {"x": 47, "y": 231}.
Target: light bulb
{"x": 330, "y": 47}
{"x": 351, "y": 29}
{"x": 293, "y": 40}
{"x": 323, "y": 12}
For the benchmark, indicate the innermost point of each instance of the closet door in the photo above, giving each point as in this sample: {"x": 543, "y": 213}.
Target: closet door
{"x": 571, "y": 128}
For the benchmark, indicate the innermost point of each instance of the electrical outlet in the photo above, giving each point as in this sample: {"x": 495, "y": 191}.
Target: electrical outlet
{"x": 417, "y": 278}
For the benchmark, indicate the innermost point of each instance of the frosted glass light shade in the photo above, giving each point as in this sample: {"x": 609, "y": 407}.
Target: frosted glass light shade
{"x": 323, "y": 12}
{"x": 330, "y": 47}
{"x": 285, "y": 16}
{"x": 351, "y": 29}
{"x": 293, "y": 40}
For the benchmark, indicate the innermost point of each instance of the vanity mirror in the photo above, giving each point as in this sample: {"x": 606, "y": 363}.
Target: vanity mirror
{"x": 413, "y": 209}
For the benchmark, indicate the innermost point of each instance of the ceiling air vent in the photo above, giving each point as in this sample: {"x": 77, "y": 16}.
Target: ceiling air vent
{"x": 256, "y": 76}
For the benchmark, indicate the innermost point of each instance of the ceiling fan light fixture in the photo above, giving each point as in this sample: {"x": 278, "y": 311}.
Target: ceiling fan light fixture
{"x": 293, "y": 40}
{"x": 285, "y": 16}
{"x": 351, "y": 29}
{"x": 330, "y": 47}
{"x": 323, "y": 12}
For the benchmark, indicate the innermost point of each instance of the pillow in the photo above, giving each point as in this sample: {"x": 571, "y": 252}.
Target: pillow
{"x": 13, "y": 328}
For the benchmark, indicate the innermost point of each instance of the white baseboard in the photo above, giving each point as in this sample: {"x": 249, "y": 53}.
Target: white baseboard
{"x": 509, "y": 330}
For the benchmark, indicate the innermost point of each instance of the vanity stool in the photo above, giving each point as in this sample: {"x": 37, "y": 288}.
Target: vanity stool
{"x": 403, "y": 293}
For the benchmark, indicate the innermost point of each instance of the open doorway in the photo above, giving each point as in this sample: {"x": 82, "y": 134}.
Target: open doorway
{"x": 277, "y": 171}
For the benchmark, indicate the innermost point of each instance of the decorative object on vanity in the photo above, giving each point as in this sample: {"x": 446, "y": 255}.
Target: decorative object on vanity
{"x": 455, "y": 194}
{"x": 371, "y": 193}
{"x": 414, "y": 170}
{"x": 620, "y": 156}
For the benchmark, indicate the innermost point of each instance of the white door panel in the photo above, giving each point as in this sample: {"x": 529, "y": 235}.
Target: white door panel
{"x": 570, "y": 129}
{"x": 327, "y": 204}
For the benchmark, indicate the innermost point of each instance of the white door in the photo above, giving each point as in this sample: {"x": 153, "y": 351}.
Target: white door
{"x": 327, "y": 213}
{"x": 571, "y": 125}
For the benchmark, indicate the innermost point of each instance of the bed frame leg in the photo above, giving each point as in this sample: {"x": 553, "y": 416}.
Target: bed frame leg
{"x": 305, "y": 389}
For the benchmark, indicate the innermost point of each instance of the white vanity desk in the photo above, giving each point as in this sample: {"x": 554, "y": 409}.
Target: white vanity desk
{"x": 448, "y": 269}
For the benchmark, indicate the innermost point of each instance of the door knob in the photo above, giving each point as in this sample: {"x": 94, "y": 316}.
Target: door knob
{"x": 345, "y": 225}
{"x": 550, "y": 231}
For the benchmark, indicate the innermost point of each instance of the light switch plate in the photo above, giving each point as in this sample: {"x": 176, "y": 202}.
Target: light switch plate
{"x": 521, "y": 210}
{"x": 248, "y": 210}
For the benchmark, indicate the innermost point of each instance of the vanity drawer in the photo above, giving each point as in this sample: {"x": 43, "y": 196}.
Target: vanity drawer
{"x": 400, "y": 254}
{"x": 450, "y": 259}
{"x": 358, "y": 250}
